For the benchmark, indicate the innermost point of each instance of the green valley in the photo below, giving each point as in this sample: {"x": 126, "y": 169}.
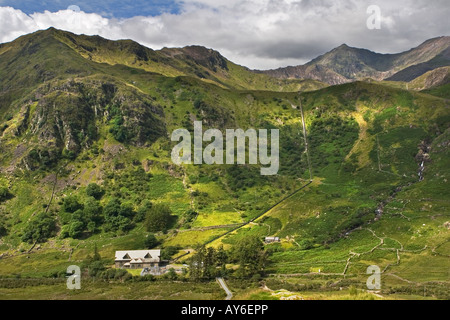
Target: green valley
{"x": 86, "y": 170}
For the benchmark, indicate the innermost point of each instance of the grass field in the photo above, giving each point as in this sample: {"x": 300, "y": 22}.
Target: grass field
{"x": 164, "y": 290}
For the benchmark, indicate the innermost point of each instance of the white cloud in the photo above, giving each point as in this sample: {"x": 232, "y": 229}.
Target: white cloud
{"x": 256, "y": 33}
{"x": 14, "y": 23}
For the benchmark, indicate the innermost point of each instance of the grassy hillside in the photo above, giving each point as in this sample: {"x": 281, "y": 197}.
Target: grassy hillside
{"x": 195, "y": 61}
{"x": 86, "y": 157}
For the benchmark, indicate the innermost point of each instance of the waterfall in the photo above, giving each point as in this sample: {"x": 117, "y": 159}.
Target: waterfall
{"x": 420, "y": 173}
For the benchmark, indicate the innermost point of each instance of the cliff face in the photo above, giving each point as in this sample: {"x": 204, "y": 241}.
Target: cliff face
{"x": 63, "y": 117}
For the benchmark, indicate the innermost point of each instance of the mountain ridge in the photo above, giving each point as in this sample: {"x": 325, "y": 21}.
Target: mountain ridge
{"x": 340, "y": 65}
{"x": 345, "y": 64}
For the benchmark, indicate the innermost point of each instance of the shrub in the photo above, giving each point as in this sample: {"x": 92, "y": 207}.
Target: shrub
{"x": 71, "y": 204}
{"x": 158, "y": 218}
{"x": 142, "y": 211}
{"x": 151, "y": 241}
{"x": 76, "y": 229}
{"x": 95, "y": 191}
{"x": 4, "y": 194}
{"x": 171, "y": 275}
{"x": 3, "y": 230}
{"x": 95, "y": 268}
{"x": 168, "y": 252}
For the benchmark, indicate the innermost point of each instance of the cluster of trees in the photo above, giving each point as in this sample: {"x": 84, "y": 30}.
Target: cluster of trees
{"x": 248, "y": 253}
{"x": 292, "y": 158}
{"x": 208, "y": 263}
{"x": 97, "y": 269}
{"x": 142, "y": 124}
{"x": 39, "y": 229}
{"x": 117, "y": 129}
{"x": 119, "y": 132}
{"x": 337, "y": 134}
{"x": 243, "y": 177}
{"x": 78, "y": 217}
{"x": 151, "y": 241}
{"x": 190, "y": 215}
{"x": 42, "y": 157}
{"x": 128, "y": 184}
{"x": 168, "y": 252}
{"x": 86, "y": 217}
{"x": 158, "y": 217}
{"x": 118, "y": 216}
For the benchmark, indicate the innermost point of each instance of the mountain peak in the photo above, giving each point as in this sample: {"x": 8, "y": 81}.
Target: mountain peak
{"x": 345, "y": 63}
{"x": 206, "y": 57}
{"x": 342, "y": 48}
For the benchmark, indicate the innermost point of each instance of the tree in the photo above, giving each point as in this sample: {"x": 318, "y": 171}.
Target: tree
{"x": 95, "y": 268}
{"x": 42, "y": 227}
{"x": 196, "y": 265}
{"x": 96, "y": 256}
{"x": 118, "y": 130}
{"x": 91, "y": 227}
{"x": 190, "y": 214}
{"x": 249, "y": 253}
{"x": 221, "y": 260}
{"x": 112, "y": 209}
{"x": 76, "y": 229}
{"x": 126, "y": 210}
{"x": 3, "y": 229}
{"x": 71, "y": 204}
{"x": 168, "y": 252}
{"x": 4, "y": 194}
{"x": 158, "y": 218}
{"x": 117, "y": 216}
{"x": 221, "y": 256}
{"x": 124, "y": 224}
{"x": 171, "y": 275}
{"x": 151, "y": 241}
{"x": 93, "y": 211}
{"x": 142, "y": 211}
{"x": 95, "y": 191}
{"x": 208, "y": 263}
{"x": 78, "y": 216}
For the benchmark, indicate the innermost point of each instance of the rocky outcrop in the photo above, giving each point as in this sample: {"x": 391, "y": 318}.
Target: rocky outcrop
{"x": 61, "y": 118}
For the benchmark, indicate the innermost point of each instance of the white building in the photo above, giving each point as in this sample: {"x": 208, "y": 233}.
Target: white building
{"x": 138, "y": 259}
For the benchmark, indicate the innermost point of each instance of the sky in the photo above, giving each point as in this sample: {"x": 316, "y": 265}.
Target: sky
{"x": 259, "y": 34}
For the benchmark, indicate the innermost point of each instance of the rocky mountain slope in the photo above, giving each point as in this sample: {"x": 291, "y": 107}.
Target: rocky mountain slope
{"x": 85, "y": 154}
{"x": 344, "y": 64}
